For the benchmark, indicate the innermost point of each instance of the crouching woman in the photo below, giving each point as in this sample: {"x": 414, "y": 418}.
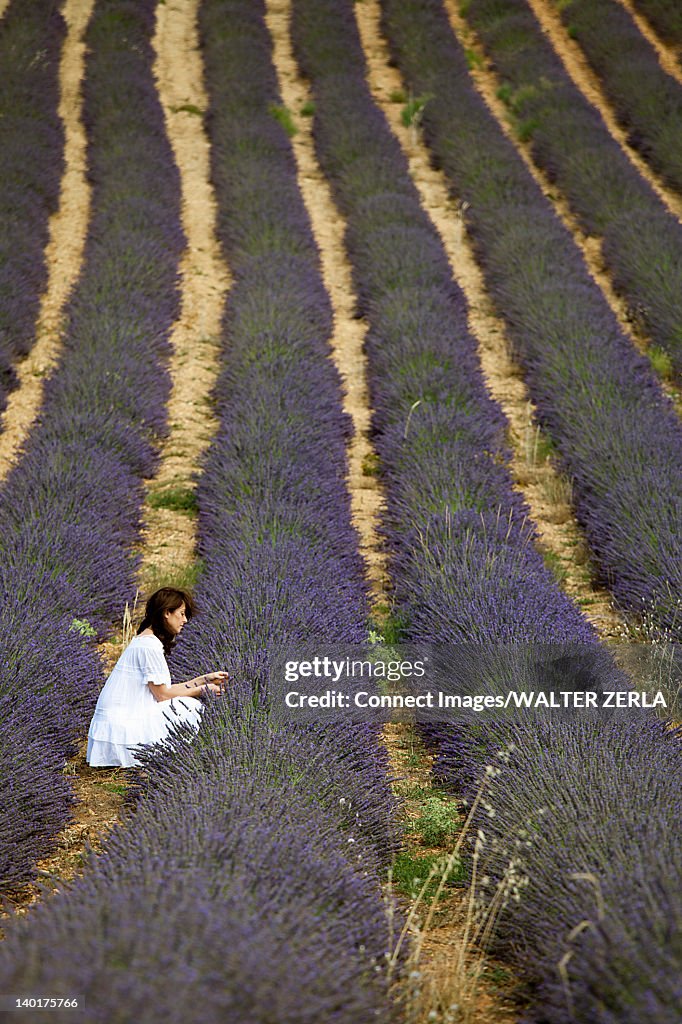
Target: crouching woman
{"x": 138, "y": 703}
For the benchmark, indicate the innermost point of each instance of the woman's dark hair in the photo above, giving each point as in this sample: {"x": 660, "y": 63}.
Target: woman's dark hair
{"x": 167, "y": 599}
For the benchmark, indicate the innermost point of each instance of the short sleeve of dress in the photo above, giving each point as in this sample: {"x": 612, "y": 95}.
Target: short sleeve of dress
{"x": 154, "y": 666}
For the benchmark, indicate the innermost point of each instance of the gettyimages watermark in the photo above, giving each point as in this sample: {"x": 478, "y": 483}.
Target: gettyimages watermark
{"x": 441, "y": 683}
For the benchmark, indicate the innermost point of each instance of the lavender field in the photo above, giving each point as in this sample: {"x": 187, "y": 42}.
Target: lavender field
{"x": 372, "y": 341}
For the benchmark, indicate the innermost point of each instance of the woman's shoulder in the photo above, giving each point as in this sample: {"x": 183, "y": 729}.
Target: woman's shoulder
{"x": 141, "y": 648}
{"x": 148, "y": 640}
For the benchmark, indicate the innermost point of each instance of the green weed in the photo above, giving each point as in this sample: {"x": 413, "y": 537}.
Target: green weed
{"x": 413, "y": 111}
{"x": 181, "y": 577}
{"x": 411, "y": 872}
{"x": 525, "y": 129}
{"x": 178, "y": 499}
{"x": 660, "y": 361}
{"x": 283, "y": 115}
{"x": 438, "y": 823}
{"x": 188, "y": 108}
{"x": 504, "y": 93}
{"x": 474, "y": 60}
{"x": 554, "y": 564}
{"x": 371, "y": 465}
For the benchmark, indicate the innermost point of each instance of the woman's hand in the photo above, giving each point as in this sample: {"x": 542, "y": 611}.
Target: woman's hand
{"x": 217, "y": 678}
{"x": 214, "y": 681}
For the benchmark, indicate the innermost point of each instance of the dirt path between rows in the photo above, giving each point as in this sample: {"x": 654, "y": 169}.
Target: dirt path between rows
{"x": 488, "y": 84}
{"x": 547, "y": 494}
{"x": 485, "y": 1003}
{"x": 64, "y": 251}
{"x": 584, "y": 78}
{"x": 170, "y": 535}
{"x": 168, "y": 550}
{"x": 668, "y": 58}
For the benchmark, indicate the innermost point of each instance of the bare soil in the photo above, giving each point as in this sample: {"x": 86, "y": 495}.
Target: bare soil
{"x": 169, "y": 538}
{"x": 64, "y": 252}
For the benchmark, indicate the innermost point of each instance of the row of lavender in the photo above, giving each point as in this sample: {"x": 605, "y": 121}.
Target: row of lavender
{"x": 562, "y": 828}
{"x": 618, "y": 436}
{"x": 250, "y": 868}
{"x": 70, "y": 508}
{"x": 642, "y": 241}
{"x": 31, "y": 162}
{"x": 666, "y": 18}
{"x": 647, "y": 101}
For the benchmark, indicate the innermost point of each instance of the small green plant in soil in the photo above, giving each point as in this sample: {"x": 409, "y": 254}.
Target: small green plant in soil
{"x": 283, "y": 115}
{"x": 178, "y": 499}
{"x": 660, "y": 362}
{"x": 555, "y": 565}
{"x": 181, "y": 577}
{"x": 504, "y": 93}
{"x": 410, "y": 872}
{"x": 188, "y": 108}
{"x": 525, "y": 129}
{"x": 413, "y": 110}
{"x": 474, "y": 60}
{"x": 371, "y": 465}
{"x": 438, "y": 823}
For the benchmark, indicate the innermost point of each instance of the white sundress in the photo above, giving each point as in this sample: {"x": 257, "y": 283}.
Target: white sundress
{"x": 127, "y": 713}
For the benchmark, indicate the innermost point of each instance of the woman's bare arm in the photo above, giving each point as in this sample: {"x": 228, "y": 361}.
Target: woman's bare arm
{"x": 212, "y": 681}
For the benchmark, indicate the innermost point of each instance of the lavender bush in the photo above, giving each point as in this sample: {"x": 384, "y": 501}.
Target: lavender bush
{"x": 584, "y": 816}
{"x": 70, "y": 509}
{"x": 465, "y": 572}
{"x": 35, "y": 796}
{"x": 618, "y": 436}
{"x": 252, "y": 861}
{"x": 31, "y": 164}
{"x": 642, "y": 241}
{"x": 264, "y": 899}
{"x": 647, "y": 101}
